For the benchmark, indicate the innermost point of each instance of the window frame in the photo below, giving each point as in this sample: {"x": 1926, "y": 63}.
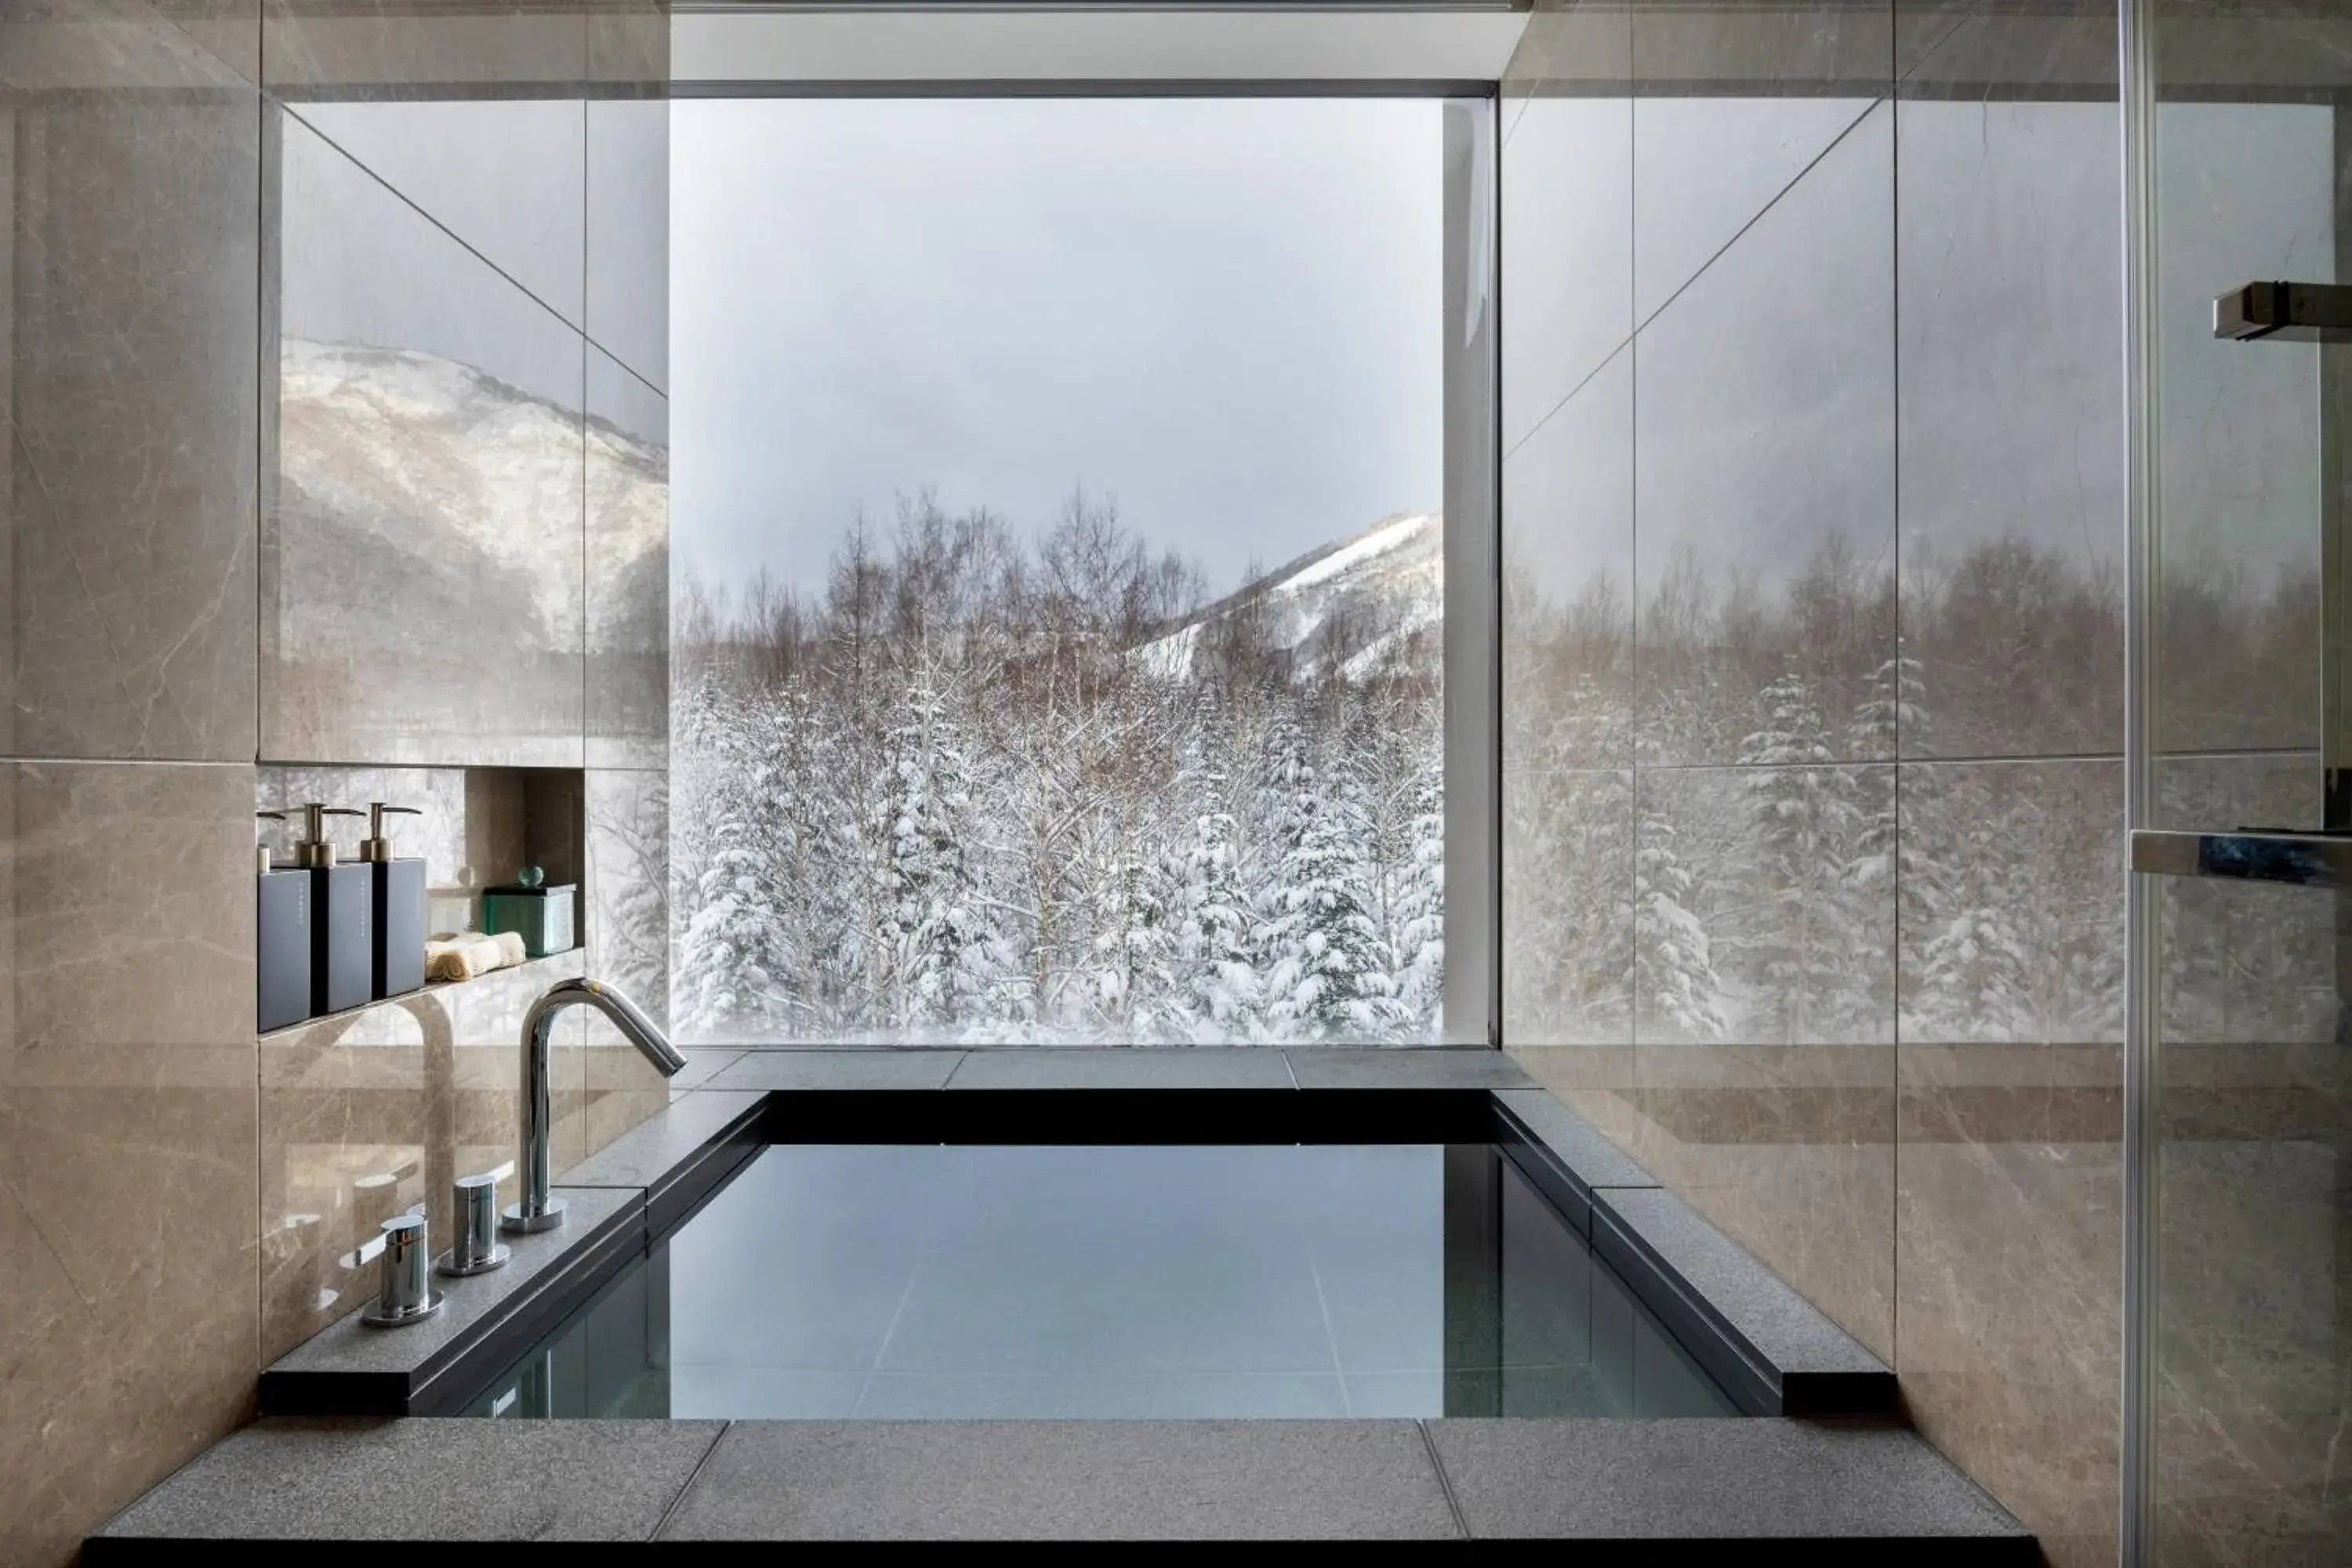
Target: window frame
{"x": 1470, "y": 322}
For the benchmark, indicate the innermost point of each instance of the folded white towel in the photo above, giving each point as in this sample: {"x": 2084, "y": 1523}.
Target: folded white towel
{"x": 463, "y": 954}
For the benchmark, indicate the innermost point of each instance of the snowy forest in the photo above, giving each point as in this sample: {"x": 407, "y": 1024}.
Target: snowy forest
{"x": 986, "y": 787}
{"x": 989, "y": 790}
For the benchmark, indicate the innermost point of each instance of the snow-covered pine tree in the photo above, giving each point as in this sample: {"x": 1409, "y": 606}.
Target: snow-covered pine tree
{"x": 727, "y": 985}
{"x": 1418, "y": 944}
{"x": 1329, "y": 978}
{"x": 821, "y": 897}
{"x": 937, "y": 947}
{"x": 735, "y": 957}
{"x": 1136, "y": 977}
{"x": 1219, "y": 991}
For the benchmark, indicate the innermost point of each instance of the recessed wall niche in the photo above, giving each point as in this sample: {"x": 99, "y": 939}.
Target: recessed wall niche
{"x": 476, "y": 827}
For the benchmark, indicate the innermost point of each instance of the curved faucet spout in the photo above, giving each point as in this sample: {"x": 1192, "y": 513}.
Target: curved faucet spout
{"x": 540, "y": 1209}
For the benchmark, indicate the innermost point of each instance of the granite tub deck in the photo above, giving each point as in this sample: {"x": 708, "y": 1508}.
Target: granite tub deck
{"x": 1623, "y": 1491}
{"x": 351, "y": 1450}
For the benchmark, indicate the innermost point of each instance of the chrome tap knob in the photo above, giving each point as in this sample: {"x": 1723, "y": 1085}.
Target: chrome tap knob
{"x": 477, "y": 1249}
{"x": 407, "y": 1295}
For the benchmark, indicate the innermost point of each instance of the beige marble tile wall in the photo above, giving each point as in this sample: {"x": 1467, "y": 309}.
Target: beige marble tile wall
{"x": 128, "y": 1135}
{"x": 626, "y": 306}
{"x": 465, "y": 556}
{"x": 129, "y": 1326}
{"x": 151, "y": 1149}
{"x": 1812, "y": 533}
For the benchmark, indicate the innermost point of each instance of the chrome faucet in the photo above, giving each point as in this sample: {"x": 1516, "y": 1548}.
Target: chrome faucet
{"x": 539, "y": 1209}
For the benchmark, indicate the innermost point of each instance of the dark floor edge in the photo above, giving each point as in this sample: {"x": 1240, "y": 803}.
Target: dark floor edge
{"x": 1866, "y": 1552}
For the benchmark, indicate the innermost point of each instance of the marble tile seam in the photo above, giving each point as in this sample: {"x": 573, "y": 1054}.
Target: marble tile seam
{"x": 294, "y": 111}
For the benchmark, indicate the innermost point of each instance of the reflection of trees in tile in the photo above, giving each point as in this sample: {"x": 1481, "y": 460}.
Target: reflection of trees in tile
{"x": 1766, "y": 898}
{"x": 2245, "y": 965}
{"x": 1568, "y": 949}
{"x": 2282, "y": 790}
{"x": 2237, "y": 659}
{"x": 2011, "y": 894}
{"x": 1568, "y": 569}
{"x": 2020, "y": 649}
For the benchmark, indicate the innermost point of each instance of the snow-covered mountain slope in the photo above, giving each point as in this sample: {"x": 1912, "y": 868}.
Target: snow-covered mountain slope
{"x": 1351, "y": 604}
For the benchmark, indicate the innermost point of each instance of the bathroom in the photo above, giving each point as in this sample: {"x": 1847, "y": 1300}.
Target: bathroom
{"x": 1869, "y": 984}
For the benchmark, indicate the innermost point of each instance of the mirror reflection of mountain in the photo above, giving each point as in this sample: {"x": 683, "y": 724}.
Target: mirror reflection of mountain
{"x": 414, "y": 492}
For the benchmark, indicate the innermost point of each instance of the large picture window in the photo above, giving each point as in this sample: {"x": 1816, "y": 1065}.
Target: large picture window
{"x": 1059, "y": 620}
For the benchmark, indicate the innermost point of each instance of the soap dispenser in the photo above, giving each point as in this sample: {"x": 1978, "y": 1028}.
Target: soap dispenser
{"x": 341, "y": 958}
{"x": 281, "y": 938}
{"x": 396, "y": 905}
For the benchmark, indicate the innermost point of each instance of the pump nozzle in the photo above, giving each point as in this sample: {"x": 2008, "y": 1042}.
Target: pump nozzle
{"x": 377, "y": 845}
{"x": 316, "y": 850}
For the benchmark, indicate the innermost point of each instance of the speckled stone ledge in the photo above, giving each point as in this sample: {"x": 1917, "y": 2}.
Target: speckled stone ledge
{"x": 349, "y": 1368}
{"x": 1878, "y": 1489}
{"x": 1427, "y": 1067}
{"x": 1561, "y": 1152}
{"x": 459, "y": 1485}
{"x": 478, "y": 1491}
{"x": 681, "y": 1154}
{"x": 1078, "y": 1068}
{"x": 839, "y": 1070}
{"x": 1067, "y": 1480}
{"x": 1579, "y": 1145}
{"x": 1787, "y": 1358}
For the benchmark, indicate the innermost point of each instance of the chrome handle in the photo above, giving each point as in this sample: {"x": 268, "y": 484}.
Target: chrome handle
{"x": 2293, "y": 859}
{"x": 406, "y": 1295}
{"x": 477, "y": 1249}
{"x": 2288, "y": 312}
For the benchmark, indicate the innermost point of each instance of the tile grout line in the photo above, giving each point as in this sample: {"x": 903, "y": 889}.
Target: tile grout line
{"x": 1895, "y": 463}
{"x": 292, "y": 107}
{"x": 692, "y": 1476}
{"x": 1642, "y": 323}
{"x": 1444, "y": 1482}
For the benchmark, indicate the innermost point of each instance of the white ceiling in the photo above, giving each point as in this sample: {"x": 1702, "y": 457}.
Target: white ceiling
{"x": 893, "y": 45}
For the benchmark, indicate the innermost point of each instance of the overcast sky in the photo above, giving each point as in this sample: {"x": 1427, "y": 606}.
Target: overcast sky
{"x": 1224, "y": 312}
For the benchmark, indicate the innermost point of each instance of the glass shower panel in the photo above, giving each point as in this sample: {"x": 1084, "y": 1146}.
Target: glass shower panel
{"x": 2253, "y": 1321}
{"x": 2245, "y": 1377}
